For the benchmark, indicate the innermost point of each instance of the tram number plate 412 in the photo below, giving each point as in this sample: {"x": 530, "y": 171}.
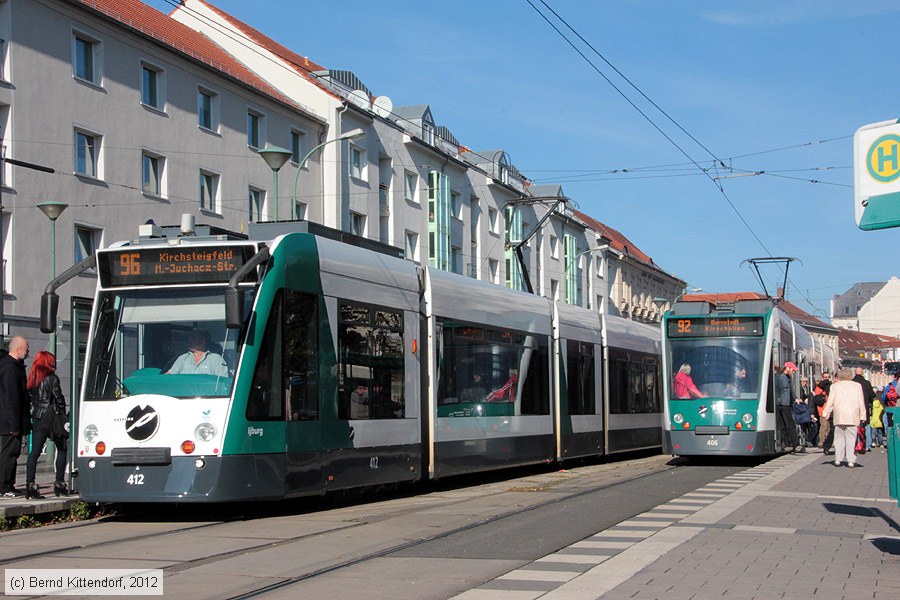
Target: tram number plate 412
{"x": 712, "y": 442}
{"x": 135, "y": 479}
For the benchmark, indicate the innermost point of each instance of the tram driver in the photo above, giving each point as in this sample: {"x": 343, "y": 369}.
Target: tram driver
{"x": 198, "y": 358}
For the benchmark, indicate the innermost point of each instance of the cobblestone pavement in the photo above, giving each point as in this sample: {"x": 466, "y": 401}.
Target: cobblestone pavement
{"x": 794, "y": 527}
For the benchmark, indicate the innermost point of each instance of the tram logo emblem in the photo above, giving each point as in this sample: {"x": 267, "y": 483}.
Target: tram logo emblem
{"x": 141, "y": 423}
{"x": 702, "y": 411}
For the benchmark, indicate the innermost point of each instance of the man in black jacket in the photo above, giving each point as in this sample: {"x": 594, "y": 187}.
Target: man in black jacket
{"x": 868, "y": 397}
{"x": 13, "y": 412}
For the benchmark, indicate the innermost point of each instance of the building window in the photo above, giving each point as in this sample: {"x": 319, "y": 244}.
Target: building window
{"x": 357, "y": 224}
{"x": 455, "y": 205}
{"x": 410, "y": 182}
{"x": 86, "y": 58}
{"x": 254, "y": 129}
{"x": 152, "y": 86}
{"x": 152, "y": 174}
{"x": 255, "y": 198}
{"x": 87, "y": 241}
{"x": 428, "y": 133}
{"x": 357, "y": 162}
{"x": 207, "y": 109}
{"x": 301, "y": 210}
{"x": 494, "y": 268}
{"x": 456, "y": 259}
{"x": 412, "y": 245}
{"x": 492, "y": 220}
{"x": 87, "y": 154}
{"x": 298, "y": 145}
{"x": 209, "y": 190}
{"x": 554, "y": 247}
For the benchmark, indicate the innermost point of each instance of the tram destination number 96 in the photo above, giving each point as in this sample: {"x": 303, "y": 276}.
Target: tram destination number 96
{"x": 150, "y": 266}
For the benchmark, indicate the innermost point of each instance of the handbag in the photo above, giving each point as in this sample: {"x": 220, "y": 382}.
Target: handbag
{"x": 860, "y": 447}
{"x": 54, "y": 425}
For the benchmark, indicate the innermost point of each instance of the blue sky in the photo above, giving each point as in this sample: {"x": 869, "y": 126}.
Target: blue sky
{"x": 773, "y": 86}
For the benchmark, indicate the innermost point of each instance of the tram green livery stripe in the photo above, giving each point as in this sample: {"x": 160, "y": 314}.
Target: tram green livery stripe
{"x": 294, "y": 264}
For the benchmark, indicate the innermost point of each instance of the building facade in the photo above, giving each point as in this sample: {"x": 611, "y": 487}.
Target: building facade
{"x": 155, "y": 116}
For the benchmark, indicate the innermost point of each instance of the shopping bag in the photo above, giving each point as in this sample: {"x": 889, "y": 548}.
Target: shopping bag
{"x": 860, "y": 447}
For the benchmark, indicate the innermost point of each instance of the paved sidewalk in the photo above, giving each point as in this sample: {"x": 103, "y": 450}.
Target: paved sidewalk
{"x": 44, "y": 477}
{"x": 794, "y": 527}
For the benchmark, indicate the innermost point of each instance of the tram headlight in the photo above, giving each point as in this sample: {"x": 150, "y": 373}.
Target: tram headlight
{"x": 205, "y": 431}
{"x": 90, "y": 433}
{"x": 747, "y": 418}
{"x": 678, "y": 418}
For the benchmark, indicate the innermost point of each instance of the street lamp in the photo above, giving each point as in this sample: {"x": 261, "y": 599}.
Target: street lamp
{"x": 53, "y": 208}
{"x": 687, "y": 291}
{"x": 350, "y": 135}
{"x": 275, "y": 157}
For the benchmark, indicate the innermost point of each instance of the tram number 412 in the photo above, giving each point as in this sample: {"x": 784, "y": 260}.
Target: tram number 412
{"x": 135, "y": 479}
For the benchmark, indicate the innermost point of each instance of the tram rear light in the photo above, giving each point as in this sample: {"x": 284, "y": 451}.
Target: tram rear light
{"x": 686, "y": 425}
{"x": 187, "y": 446}
{"x": 738, "y": 425}
{"x": 415, "y": 346}
{"x": 100, "y": 447}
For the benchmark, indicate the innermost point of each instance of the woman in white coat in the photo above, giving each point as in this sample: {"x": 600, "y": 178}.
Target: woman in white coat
{"x": 846, "y": 405}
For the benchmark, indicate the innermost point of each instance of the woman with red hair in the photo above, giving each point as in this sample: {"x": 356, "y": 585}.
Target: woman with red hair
{"x": 47, "y": 403}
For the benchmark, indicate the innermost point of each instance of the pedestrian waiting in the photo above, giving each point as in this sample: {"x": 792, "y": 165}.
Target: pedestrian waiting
{"x": 846, "y": 406}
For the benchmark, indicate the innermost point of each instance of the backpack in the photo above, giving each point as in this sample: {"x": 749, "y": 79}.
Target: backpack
{"x": 890, "y": 396}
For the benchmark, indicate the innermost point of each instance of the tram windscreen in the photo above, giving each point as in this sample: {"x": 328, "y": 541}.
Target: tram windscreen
{"x": 162, "y": 341}
{"x": 726, "y": 368}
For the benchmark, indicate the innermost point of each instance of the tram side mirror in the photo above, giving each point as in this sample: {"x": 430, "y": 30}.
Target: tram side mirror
{"x": 49, "y": 306}
{"x": 234, "y": 308}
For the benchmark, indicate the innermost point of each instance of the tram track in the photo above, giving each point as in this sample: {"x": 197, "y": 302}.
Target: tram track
{"x": 545, "y": 482}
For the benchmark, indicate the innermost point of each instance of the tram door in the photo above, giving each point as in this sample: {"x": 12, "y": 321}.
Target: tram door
{"x": 80, "y": 318}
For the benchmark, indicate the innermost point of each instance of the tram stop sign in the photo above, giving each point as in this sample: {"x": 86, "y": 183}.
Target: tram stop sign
{"x": 876, "y": 175}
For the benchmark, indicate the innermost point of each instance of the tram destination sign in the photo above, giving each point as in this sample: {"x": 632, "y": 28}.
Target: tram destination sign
{"x": 178, "y": 265}
{"x": 715, "y": 327}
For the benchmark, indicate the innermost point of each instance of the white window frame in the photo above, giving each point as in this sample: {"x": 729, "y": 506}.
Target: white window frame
{"x": 493, "y": 220}
{"x": 298, "y": 145}
{"x": 260, "y": 142}
{"x": 95, "y": 78}
{"x": 411, "y": 240}
{"x": 456, "y": 204}
{"x": 98, "y": 153}
{"x": 260, "y": 203}
{"x": 358, "y": 224}
{"x": 302, "y": 210}
{"x": 214, "y": 194}
{"x": 213, "y": 109}
{"x": 357, "y": 162}
{"x": 410, "y": 186}
{"x": 159, "y": 103}
{"x": 554, "y": 247}
{"x": 494, "y": 269}
{"x": 160, "y": 174}
{"x": 80, "y": 251}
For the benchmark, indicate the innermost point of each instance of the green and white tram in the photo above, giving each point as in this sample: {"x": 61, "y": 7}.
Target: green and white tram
{"x": 297, "y": 360}
{"x": 719, "y": 364}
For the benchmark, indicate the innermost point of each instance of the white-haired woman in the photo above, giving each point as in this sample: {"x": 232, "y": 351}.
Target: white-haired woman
{"x": 848, "y": 409}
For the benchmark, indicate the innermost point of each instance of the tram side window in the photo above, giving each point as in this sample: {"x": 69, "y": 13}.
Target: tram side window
{"x": 301, "y": 347}
{"x": 264, "y": 402}
{"x": 490, "y": 372}
{"x": 633, "y": 386}
{"x": 370, "y": 355}
{"x": 580, "y": 377}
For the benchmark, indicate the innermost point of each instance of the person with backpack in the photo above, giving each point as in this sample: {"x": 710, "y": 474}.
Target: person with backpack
{"x": 889, "y": 399}
{"x": 820, "y": 397}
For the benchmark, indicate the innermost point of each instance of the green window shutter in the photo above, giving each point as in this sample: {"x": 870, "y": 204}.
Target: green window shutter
{"x": 514, "y": 235}
{"x": 571, "y": 269}
{"x": 439, "y": 219}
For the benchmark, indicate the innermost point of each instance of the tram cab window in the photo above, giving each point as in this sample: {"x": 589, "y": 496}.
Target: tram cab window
{"x": 371, "y": 376}
{"x": 725, "y": 368}
{"x": 140, "y": 334}
{"x": 284, "y": 382}
{"x": 490, "y": 372}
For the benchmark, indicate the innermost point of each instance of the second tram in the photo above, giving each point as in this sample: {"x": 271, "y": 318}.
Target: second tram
{"x": 719, "y": 363}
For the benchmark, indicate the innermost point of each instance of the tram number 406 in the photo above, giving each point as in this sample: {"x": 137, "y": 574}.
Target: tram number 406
{"x": 135, "y": 479}
{"x": 712, "y": 442}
